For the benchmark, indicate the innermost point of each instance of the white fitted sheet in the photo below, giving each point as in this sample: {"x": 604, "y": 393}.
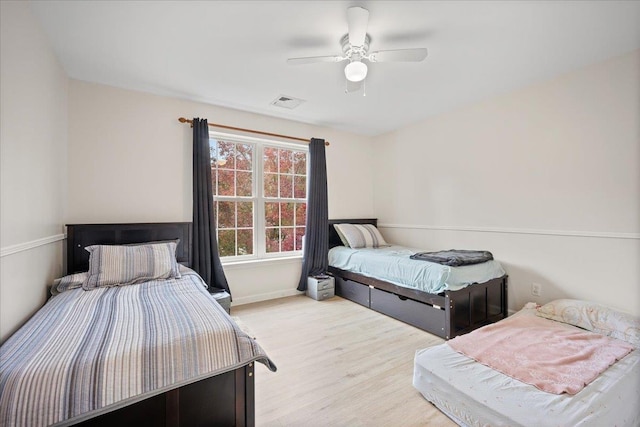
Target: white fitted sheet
{"x": 472, "y": 394}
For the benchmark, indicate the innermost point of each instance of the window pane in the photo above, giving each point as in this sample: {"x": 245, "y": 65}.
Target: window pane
{"x": 270, "y": 159}
{"x": 245, "y": 242}
{"x": 301, "y": 213}
{"x": 299, "y": 234}
{"x": 288, "y": 239}
{"x": 273, "y": 240}
{"x": 244, "y": 184}
{"x": 226, "y": 183}
{"x": 286, "y": 161}
{"x": 227, "y": 242}
{"x": 286, "y": 186}
{"x": 226, "y": 214}
{"x": 300, "y": 163}
{"x": 270, "y": 185}
{"x": 244, "y": 157}
{"x": 271, "y": 214}
{"x": 299, "y": 187}
{"x": 226, "y": 155}
{"x": 286, "y": 214}
{"x": 245, "y": 214}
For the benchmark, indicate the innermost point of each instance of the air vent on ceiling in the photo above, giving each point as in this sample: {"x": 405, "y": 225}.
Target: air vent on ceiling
{"x": 287, "y": 102}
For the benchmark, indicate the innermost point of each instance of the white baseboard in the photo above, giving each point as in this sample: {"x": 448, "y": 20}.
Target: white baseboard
{"x": 265, "y": 297}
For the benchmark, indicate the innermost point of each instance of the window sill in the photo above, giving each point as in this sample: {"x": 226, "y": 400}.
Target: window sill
{"x": 264, "y": 262}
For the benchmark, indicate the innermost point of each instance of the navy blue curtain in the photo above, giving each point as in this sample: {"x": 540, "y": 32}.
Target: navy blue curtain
{"x": 316, "y": 243}
{"x": 206, "y": 258}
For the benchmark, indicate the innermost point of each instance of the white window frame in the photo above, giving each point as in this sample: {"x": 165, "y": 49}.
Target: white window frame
{"x": 259, "y": 226}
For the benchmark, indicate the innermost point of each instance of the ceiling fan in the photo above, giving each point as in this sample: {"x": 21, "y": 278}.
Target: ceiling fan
{"x": 355, "y": 49}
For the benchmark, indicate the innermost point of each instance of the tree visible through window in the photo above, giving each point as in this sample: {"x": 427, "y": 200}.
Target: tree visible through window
{"x": 259, "y": 197}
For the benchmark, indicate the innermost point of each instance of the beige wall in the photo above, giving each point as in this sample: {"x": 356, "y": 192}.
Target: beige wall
{"x": 130, "y": 160}
{"x": 547, "y": 178}
{"x": 33, "y": 116}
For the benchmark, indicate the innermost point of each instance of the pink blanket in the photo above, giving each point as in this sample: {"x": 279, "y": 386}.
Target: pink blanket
{"x": 552, "y": 356}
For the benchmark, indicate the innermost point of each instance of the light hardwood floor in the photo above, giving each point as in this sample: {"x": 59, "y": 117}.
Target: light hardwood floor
{"x": 339, "y": 364}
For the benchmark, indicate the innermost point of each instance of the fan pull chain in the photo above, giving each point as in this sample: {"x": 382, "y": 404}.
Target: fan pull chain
{"x": 364, "y": 88}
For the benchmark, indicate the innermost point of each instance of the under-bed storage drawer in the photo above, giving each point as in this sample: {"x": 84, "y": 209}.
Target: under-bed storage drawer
{"x": 421, "y": 315}
{"x": 354, "y": 291}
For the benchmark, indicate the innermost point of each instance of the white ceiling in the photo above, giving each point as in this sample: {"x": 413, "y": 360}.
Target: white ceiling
{"x": 233, "y": 53}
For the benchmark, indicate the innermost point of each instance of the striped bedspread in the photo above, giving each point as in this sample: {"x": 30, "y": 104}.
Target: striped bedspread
{"x": 85, "y": 351}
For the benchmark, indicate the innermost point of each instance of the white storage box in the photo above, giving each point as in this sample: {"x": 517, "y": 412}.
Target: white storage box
{"x": 321, "y": 287}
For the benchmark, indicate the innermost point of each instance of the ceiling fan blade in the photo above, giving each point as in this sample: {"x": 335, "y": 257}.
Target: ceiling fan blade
{"x": 398, "y": 55}
{"x": 353, "y": 86}
{"x": 314, "y": 59}
{"x": 358, "y": 20}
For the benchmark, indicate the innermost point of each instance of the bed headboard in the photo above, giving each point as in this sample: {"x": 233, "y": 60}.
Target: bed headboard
{"x": 334, "y": 239}
{"x": 80, "y": 236}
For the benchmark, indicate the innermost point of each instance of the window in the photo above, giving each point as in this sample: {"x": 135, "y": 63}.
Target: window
{"x": 260, "y": 196}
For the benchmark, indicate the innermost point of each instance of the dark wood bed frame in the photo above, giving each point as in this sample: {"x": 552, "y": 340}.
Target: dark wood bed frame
{"x": 226, "y": 399}
{"x": 446, "y": 315}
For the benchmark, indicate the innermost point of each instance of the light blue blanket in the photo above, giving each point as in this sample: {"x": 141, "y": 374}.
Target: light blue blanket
{"x": 392, "y": 264}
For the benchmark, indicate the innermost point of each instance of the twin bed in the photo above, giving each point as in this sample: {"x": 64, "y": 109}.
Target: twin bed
{"x": 445, "y": 301}
{"x": 158, "y": 351}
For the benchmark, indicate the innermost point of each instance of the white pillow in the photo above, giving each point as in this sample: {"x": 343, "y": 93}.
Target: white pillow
{"x": 594, "y": 317}
{"x": 343, "y": 239}
{"x": 360, "y": 235}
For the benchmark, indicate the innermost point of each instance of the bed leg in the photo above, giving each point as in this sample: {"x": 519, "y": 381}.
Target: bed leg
{"x": 245, "y": 397}
{"x": 449, "y": 314}
{"x": 250, "y": 395}
{"x": 505, "y": 300}
{"x": 172, "y": 408}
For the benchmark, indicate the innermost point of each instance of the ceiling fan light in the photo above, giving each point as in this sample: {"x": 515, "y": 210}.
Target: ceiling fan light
{"x": 355, "y": 71}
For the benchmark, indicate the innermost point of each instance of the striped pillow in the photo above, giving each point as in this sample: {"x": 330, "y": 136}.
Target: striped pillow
{"x": 360, "y": 235}
{"x": 115, "y": 265}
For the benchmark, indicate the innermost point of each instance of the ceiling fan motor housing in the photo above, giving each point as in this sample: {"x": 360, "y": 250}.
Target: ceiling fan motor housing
{"x": 355, "y": 53}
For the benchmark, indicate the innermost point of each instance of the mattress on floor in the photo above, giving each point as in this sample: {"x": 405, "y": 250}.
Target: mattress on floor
{"x": 472, "y": 394}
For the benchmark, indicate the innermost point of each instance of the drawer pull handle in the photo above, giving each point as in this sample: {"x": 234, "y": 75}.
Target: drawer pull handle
{"x": 402, "y": 298}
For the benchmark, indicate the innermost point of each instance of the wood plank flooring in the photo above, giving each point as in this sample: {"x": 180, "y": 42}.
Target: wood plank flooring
{"x": 339, "y": 364}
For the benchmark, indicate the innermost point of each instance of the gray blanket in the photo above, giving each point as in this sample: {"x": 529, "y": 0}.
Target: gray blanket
{"x": 454, "y": 257}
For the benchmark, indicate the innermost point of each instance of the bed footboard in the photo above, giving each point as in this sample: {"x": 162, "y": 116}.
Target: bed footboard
{"x": 226, "y": 399}
{"x": 475, "y": 306}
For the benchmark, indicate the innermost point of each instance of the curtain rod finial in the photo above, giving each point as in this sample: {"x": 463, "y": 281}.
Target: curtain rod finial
{"x": 182, "y": 120}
